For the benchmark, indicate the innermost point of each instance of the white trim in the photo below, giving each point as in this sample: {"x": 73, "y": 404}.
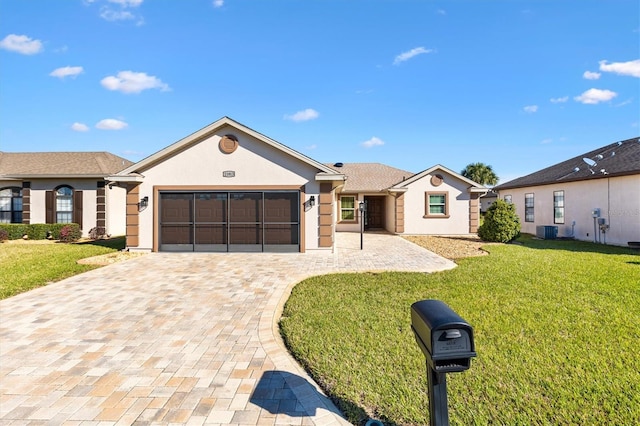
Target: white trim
{"x": 474, "y": 186}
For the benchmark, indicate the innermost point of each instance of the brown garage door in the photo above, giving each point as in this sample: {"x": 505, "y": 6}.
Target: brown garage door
{"x": 230, "y": 221}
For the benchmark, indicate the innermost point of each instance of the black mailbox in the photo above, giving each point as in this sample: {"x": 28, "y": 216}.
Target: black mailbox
{"x": 447, "y": 343}
{"x": 445, "y": 339}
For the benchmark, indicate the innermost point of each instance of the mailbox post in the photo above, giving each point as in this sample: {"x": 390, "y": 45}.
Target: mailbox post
{"x": 446, "y": 340}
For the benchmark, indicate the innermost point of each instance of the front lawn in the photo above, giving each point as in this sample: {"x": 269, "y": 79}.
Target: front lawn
{"x": 27, "y": 265}
{"x": 557, "y": 331}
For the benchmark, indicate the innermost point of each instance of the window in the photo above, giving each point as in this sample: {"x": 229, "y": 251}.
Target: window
{"x": 348, "y": 208}
{"x": 528, "y": 208}
{"x": 558, "y": 206}
{"x": 64, "y": 205}
{"x": 507, "y": 199}
{"x": 11, "y": 205}
{"x": 436, "y": 204}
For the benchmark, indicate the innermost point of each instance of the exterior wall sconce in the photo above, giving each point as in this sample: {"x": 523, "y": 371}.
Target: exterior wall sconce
{"x": 312, "y": 201}
{"x": 143, "y": 204}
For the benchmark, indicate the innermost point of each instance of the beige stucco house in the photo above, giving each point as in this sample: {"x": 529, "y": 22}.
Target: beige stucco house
{"x": 62, "y": 187}
{"x": 592, "y": 197}
{"x": 227, "y": 187}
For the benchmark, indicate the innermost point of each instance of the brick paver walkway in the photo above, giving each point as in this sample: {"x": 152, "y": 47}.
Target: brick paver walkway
{"x": 175, "y": 339}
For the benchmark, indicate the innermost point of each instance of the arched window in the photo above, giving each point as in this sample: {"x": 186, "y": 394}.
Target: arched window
{"x": 11, "y": 205}
{"x": 64, "y": 204}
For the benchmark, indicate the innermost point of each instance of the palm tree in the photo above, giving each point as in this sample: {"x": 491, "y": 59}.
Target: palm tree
{"x": 480, "y": 173}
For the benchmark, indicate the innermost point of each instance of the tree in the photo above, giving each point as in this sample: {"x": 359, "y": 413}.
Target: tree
{"x": 501, "y": 223}
{"x": 481, "y": 173}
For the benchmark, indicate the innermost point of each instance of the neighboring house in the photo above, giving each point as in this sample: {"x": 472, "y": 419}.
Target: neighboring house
{"x": 227, "y": 187}
{"x": 592, "y": 197}
{"x": 487, "y": 200}
{"x": 62, "y": 187}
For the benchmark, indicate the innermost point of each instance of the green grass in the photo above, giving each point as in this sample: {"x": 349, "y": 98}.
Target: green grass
{"x": 26, "y": 266}
{"x": 556, "y": 326}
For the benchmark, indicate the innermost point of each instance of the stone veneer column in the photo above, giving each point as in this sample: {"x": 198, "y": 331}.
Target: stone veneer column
{"x": 399, "y": 228}
{"x": 26, "y": 203}
{"x": 325, "y": 215}
{"x": 133, "y": 217}
{"x": 474, "y": 212}
{"x": 101, "y": 206}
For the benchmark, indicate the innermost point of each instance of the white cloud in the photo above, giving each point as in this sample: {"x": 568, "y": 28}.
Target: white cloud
{"x": 590, "y": 75}
{"x": 405, "y": 56}
{"x": 66, "y": 72}
{"x": 304, "y": 115}
{"x": 127, "y": 3}
{"x": 218, "y": 3}
{"x": 111, "y": 124}
{"x": 21, "y": 44}
{"x": 133, "y": 82}
{"x": 441, "y": 12}
{"x": 546, "y": 141}
{"x": 116, "y": 15}
{"x": 559, "y": 100}
{"x": 531, "y": 108}
{"x": 631, "y": 68}
{"x": 595, "y": 96}
{"x": 79, "y": 127}
{"x": 374, "y": 141}
{"x": 311, "y": 147}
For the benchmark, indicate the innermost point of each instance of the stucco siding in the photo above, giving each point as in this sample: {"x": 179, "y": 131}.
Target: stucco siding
{"x": 456, "y": 223}
{"x": 618, "y": 199}
{"x": 116, "y": 210}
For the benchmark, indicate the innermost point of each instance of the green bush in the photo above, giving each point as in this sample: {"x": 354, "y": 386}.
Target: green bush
{"x": 501, "y": 223}
{"x": 38, "y": 231}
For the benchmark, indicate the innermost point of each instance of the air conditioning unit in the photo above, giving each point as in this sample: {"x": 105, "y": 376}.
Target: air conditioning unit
{"x": 547, "y": 232}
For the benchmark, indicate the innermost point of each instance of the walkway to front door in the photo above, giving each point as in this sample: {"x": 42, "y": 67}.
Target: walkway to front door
{"x": 180, "y": 338}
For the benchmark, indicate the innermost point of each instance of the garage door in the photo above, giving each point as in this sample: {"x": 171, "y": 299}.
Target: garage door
{"x": 230, "y": 221}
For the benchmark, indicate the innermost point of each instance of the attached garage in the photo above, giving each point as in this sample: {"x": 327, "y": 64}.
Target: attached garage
{"x": 229, "y": 221}
{"x": 228, "y": 188}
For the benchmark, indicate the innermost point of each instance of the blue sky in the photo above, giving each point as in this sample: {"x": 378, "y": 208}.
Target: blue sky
{"x": 519, "y": 85}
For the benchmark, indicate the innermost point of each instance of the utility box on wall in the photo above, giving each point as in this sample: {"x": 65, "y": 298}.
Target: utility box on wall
{"x": 547, "y": 232}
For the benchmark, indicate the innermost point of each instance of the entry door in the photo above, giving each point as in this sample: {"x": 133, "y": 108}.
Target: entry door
{"x": 375, "y": 212}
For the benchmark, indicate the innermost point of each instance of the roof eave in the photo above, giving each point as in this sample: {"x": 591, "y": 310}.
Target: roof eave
{"x": 130, "y": 178}
{"x": 330, "y": 177}
{"x": 54, "y": 176}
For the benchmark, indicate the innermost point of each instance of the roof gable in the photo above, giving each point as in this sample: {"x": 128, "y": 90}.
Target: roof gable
{"x": 60, "y": 164}
{"x": 473, "y": 186}
{"x": 207, "y": 131}
{"x": 616, "y": 159}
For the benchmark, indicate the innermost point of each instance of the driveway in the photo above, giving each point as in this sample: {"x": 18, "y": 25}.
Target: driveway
{"x": 175, "y": 338}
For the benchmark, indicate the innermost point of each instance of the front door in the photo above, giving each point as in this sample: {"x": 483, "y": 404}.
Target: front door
{"x": 375, "y": 213}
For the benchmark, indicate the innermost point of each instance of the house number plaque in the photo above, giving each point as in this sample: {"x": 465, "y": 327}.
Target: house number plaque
{"x": 229, "y": 173}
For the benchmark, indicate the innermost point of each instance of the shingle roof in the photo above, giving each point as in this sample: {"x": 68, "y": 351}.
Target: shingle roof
{"x": 370, "y": 177}
{"x": 617, "y": 159}
{"x": 35, "y": 164}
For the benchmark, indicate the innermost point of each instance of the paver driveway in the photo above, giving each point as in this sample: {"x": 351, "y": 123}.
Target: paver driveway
{"x": 175, "y": 338}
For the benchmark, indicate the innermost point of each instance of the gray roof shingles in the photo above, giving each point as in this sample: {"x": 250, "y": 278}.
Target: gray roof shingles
{"x": 370, "y": 177}
{"x": 34, "y": 164}
{"x": 617, "y": 159}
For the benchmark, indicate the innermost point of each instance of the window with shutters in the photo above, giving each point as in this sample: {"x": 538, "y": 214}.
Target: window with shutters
{"x": 64, "y": 204}
{"x": 11, "y": 205}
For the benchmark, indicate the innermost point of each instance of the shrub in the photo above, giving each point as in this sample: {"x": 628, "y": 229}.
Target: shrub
{"x": 70, "y": 233}
{"x": 4, "y": 235}
{"x": 501, "y": 223}
{"x": 38, "y": 231}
